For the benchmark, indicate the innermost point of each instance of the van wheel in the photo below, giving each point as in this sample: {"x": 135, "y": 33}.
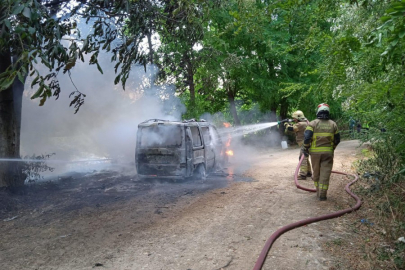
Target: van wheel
{"x": 200, "y": 173}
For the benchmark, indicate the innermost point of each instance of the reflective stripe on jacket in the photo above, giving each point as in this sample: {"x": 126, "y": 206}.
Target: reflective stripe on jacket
{"x": 323, "y": 136}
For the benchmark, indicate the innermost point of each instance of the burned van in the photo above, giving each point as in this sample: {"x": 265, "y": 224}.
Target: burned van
{"x": 171, "y": 149}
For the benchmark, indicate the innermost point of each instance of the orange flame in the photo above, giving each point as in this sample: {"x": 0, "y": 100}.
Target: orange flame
{"x": 228, "y": 141}
{"x": 229, "y": 153}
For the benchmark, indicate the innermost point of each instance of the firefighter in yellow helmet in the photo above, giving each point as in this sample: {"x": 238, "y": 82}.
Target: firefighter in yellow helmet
{"x": 320, "y": 140}
{"x": 299, "y": 126}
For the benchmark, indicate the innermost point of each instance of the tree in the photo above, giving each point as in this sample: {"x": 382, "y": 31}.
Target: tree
{"x": 262, "y": 44}
{"x": 177, "y": 56}
{"x": 225, "y": 63}
{"x": 364, "y": 63}
{"x": 27, "y": 34}
{"x": 31, "y": 35}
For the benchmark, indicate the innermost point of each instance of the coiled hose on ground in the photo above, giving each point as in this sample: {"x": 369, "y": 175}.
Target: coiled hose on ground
{"x": 263, "y": 255}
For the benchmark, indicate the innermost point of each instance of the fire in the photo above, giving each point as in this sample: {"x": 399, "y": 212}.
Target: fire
{"x": 228, "y": 141}
{"x": 229, "y": 153}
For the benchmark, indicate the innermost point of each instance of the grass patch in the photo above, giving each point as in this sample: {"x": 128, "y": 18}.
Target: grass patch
{"x": 335, "y": 242}
{"x": 382, "y": 185}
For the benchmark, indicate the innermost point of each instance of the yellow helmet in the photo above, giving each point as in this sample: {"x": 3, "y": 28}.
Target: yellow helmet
{"x": 299, "y": 115}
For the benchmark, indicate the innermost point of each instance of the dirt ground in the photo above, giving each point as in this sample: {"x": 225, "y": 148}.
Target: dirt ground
{"x": 108, "y": 220}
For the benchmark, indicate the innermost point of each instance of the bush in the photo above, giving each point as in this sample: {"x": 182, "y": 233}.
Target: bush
{"x": 385, "y": 168}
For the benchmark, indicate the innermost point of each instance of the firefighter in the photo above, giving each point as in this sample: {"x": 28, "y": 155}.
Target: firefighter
{"x": 299, "y": 126}
{"x": 320, "y": 140}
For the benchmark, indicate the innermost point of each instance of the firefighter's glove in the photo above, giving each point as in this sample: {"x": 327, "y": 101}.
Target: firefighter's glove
{"x": 286, "y": 124}
{"x": 305, "y": 151}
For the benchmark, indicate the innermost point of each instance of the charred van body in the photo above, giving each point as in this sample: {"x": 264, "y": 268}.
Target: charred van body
{"x": 171, "y": 149}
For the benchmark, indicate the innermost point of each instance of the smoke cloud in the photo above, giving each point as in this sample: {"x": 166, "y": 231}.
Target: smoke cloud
{"x": 105, "y": 127}
{"x": 106, "y": 124}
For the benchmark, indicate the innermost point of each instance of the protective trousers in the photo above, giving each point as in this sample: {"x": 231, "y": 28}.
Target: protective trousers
{"x": 322, "y": 164}
{"x": 305, "y": 168}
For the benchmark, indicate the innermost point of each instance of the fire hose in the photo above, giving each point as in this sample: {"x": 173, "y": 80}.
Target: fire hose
{"x": 263, "y": 255}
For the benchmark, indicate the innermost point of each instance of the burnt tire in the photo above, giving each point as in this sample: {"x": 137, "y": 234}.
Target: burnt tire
{"x": 200, "y": 172}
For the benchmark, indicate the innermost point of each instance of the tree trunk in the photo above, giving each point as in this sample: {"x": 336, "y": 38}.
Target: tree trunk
{"x": 190, "y": 79}
{"x": 283, "y": 115}
{"x": 232, "y": 107}
{"x": 18, "y": 89}
{"x": 191, "y": 108}
{"x": 283, "y": 109}
{"x": 273, "y": 114}
{"x": 151, "y": 52}
{"x": 9, "y": 130}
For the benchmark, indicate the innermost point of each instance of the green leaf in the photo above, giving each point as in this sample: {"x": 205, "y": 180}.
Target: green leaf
{"x": 117, "y": 79}
{"x": 42, "y": 101}
{"x": 45, "y": 62}
{"x": 99, "y": 68}
{"x": 7, "y": 23}
{"x": 385, "y": 18}
{"x": 75, "y": 99}
{"x": 17, "y": 9}
{"x": 20, "y": 77}
{"x": 35, "y": 81}
{"x": 38, "y": 92}
{"x": 117, "y": 66}
{"x": 27, "y": 12}
{"x": 394, "y": 43}
{"x": 5, "y": 83}
{"x": 48, "y": 91}
{"x": 31, "y": 30}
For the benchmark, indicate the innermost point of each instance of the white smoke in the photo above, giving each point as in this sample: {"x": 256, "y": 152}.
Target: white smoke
{"x": 106, "y": 124}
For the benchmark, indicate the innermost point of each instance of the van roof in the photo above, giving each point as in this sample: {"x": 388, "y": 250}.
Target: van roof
{"x": 191, "y": 122}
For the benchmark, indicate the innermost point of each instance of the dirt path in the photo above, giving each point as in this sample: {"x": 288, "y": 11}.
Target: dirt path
{"x": 223, "y": 228}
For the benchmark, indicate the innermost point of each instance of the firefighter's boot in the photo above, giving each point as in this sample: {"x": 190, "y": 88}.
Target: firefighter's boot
{"x": 322, "y": 195}
{"x": 302, "y": 177}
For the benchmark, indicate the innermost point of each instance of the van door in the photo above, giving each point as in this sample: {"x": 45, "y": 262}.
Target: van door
{"x": 198, "y": 148}
{"x": 209, "y": 148}
{"x": 189, "y": 153}
{"x": 160, "y": 151}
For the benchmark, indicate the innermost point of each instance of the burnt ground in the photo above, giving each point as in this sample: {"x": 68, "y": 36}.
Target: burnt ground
{"x": 112, "y": 220}
{"x": 75, "y": 191}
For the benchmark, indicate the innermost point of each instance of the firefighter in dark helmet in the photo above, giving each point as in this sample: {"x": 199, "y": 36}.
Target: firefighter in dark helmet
{"x": 298, "y": 127}
{"x": 320, "y": 140}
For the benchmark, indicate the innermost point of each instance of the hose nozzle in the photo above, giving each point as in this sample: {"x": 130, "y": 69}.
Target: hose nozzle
{"x": 285, "y": 120}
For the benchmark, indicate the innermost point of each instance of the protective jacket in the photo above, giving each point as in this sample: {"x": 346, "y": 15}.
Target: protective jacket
{"x": 321, "y": 136}
{"x": 298, "y": 129}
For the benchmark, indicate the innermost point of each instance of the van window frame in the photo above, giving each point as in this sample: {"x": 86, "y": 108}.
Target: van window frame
{"x": 206, "y": 133}
{"x": 198, "y": 133}
{"x": 141, "y": 138}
